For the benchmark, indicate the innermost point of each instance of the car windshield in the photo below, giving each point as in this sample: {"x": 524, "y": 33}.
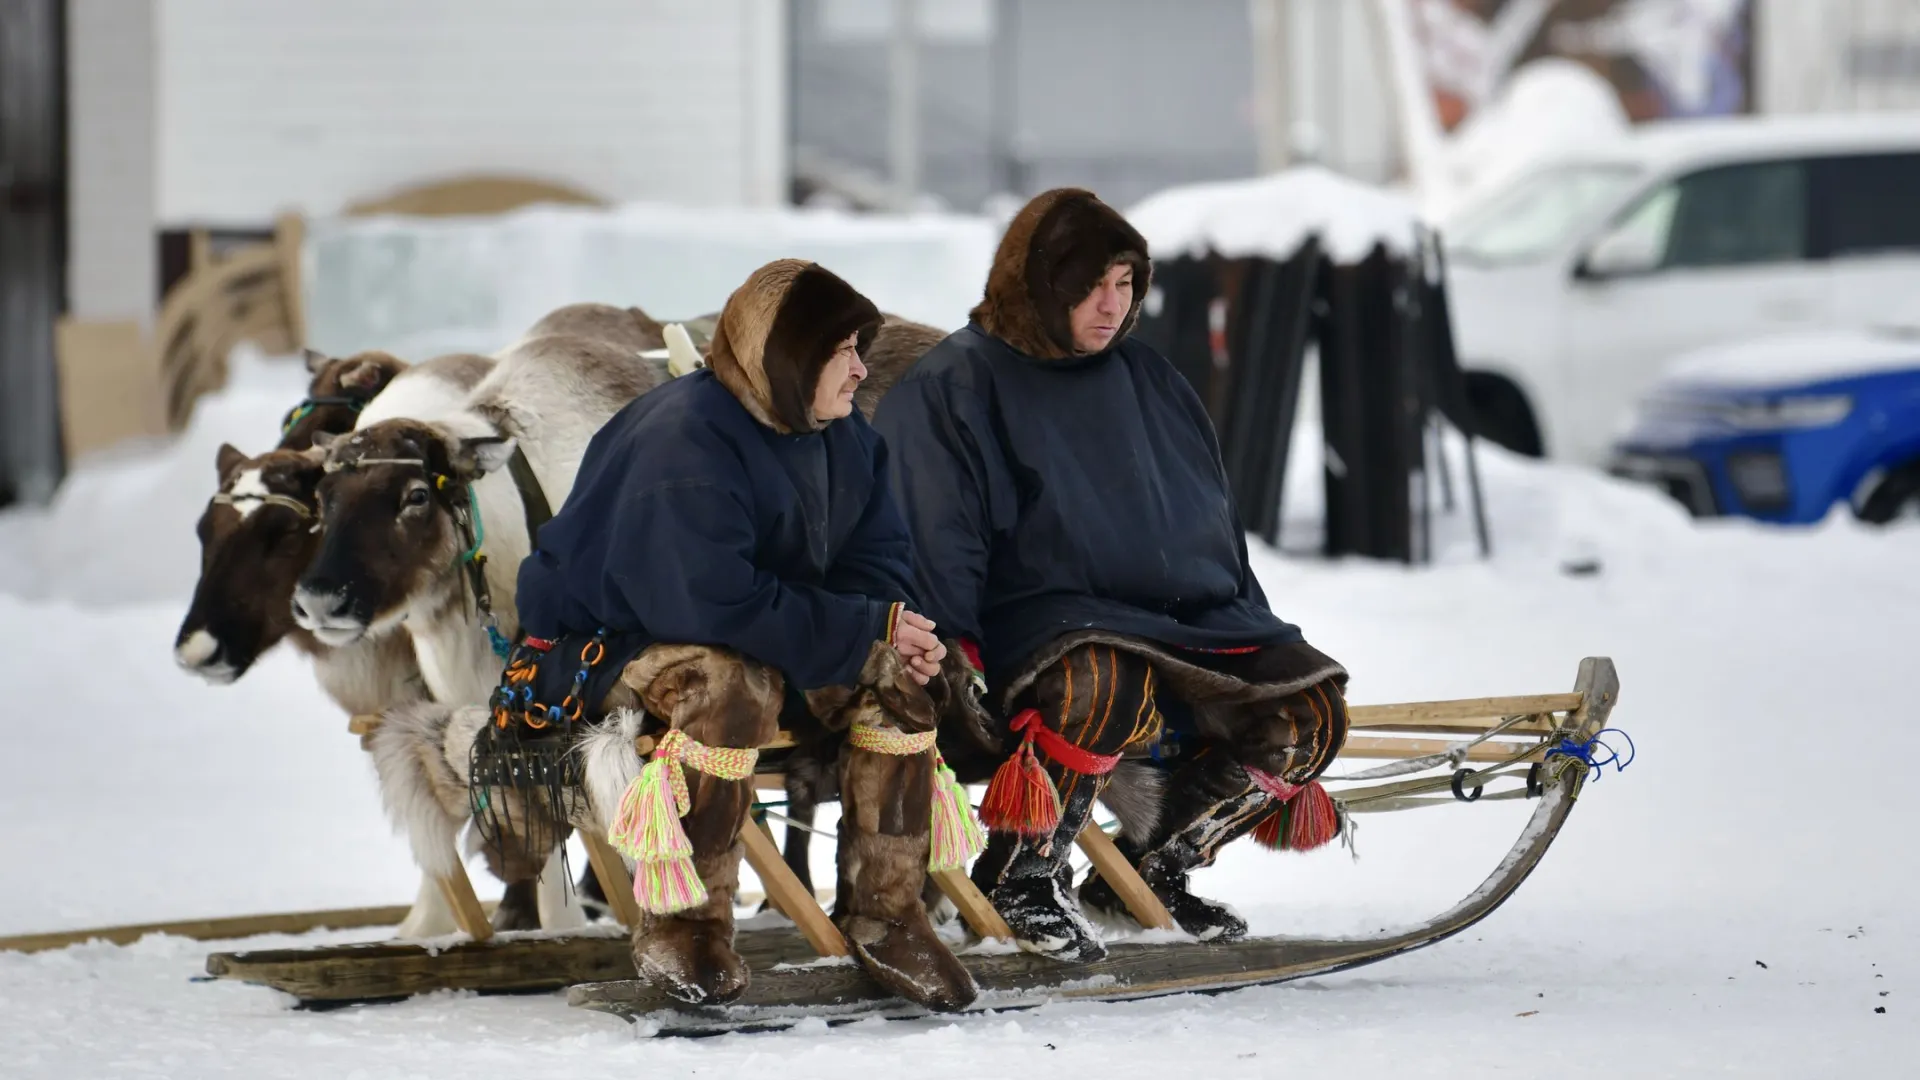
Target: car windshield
{"x": 1537, "y": 213}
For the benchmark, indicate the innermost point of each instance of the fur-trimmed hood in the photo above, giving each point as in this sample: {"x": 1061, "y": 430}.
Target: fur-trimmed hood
{"x": 776, "y": 334}
{"x": 1053, "y": 253}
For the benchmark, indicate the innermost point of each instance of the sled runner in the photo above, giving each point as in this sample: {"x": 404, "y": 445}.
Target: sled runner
{"x": 1538, "y": 748}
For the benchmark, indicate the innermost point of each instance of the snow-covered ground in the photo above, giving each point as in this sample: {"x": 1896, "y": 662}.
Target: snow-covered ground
{"x": 1740, "y": 901}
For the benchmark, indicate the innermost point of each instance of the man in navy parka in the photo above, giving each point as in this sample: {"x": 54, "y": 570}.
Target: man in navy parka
{"x": 1074, "y": 529}
{"x": 733, "y": 533}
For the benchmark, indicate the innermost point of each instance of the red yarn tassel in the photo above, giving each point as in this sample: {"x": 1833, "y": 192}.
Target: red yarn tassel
{"x": 1021, "y": 799}
{"x": 1312, "y": 819}
{"x": 1267, "y": 834}
{"x": 1306, "y": 821}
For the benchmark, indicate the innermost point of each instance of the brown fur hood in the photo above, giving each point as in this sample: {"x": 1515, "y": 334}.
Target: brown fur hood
{"x": 776, "y": 334}
{"x": 1053, "y": 253}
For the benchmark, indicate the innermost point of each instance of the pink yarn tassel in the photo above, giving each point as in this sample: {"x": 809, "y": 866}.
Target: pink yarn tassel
{"x": 647, "y": 829}
{"x": 956, "y": 835}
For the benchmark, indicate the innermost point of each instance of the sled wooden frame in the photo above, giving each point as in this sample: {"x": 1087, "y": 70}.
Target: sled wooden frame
{"x": 597, "y": 969}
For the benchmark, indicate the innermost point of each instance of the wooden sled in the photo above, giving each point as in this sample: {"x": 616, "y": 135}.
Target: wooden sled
{"x": 1492, "y": 740}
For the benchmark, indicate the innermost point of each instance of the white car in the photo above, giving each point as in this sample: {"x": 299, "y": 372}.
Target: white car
{"x": 1574, "y": 285}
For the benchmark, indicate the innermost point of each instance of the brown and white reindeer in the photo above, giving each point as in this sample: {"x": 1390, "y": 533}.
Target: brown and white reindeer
{"x": 258, "y": 534}
{"x": 426, "y": 512}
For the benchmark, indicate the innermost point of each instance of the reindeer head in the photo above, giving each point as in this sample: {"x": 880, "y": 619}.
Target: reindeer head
{"x": 335, "y": 396}
{"x": 392, "y": 502}
{"x": 256, "y": 537}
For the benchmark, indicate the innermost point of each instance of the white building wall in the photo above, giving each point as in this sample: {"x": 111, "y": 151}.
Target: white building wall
{"x": 112, "y": 264}
{"x": 267, "y": 105}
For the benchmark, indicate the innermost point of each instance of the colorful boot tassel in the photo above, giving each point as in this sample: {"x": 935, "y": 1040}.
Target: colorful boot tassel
{"x": 1307, "y": 820}
{"x": 647, "y": 828}
{"x": 1021, "y": 798}
{"x": 956, "y": 835}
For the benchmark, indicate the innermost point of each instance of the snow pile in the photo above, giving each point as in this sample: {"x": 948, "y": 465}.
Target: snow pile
{"x": 424, "y": 286}
{"x": 1547, "y": 108}
{"x": 1791, "y": 359}
{"x": 120, "y": 528}
{"x": 1273, "y": 215}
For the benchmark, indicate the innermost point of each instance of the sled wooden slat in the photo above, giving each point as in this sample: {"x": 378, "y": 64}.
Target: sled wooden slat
{"x": 1145, "y": 907}
{"x": 1444, "y": 712}
{"x": 973, "y": 904}
{"x": 219, "y": 929}
{"x": 1534, "y": 725}
{"x": 510, "y": 962}
{"x": 457, "y": 887}
{"x": 1373, "y": 747}
{"x": 615, "y": 882}
{"x": 788, "y": 894}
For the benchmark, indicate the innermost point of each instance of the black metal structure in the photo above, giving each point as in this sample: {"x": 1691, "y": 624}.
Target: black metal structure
{"x": 1240, "y": 329}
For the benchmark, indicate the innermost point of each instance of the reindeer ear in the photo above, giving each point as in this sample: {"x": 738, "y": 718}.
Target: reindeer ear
{"x": 227, "y": 459}
{"x": 323, "y": 439}
{"x": 489, "y": 454}
{"x": 315, "y": 360}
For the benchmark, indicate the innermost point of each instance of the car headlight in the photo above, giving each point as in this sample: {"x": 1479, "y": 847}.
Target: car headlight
{"x": 1812, "y": 411}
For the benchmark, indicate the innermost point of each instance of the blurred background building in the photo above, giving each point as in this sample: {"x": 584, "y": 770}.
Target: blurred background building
{"x": 141, "y": 140}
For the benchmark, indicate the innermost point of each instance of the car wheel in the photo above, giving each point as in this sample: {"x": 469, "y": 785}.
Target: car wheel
{"x": 1502, "y": 414}
{"x": 1895, "y": 498}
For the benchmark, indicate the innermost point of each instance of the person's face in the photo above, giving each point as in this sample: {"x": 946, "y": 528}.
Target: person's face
{"x": 1097, "y": 318}
{"x": 833, "y": 394}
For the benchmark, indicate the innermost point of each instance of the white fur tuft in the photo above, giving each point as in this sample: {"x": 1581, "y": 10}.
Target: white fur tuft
{"x": 416, "y": 786}
{"x": 610, "y": 763}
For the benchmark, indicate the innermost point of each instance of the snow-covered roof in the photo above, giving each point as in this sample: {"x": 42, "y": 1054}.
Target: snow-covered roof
{"x": 1271, "y": 215}
{"x": 1797, "y": 359}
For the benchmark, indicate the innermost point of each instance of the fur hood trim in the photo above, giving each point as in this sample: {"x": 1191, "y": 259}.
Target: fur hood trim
{"x": 776, "y": 334}
{"x": 1053, "y": 253}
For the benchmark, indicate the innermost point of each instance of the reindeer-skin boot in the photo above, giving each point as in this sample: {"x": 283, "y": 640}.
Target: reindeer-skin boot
{"x": 722, "y": 704}
{"x": 888, "y": 796}
{"x": 1209, "y": 802}
{"x": 1030, "y": 883}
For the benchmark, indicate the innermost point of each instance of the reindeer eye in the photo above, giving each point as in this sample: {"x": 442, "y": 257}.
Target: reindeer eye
{"x": 417, "y": 496}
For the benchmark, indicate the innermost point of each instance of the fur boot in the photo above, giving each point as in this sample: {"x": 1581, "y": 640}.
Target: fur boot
{"x": 720, "y": 699}
{"x": 1209, "y": 802}
{"x": 886, "y": 803}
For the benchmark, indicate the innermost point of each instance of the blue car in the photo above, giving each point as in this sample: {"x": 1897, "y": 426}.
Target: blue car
{"x": 1782, "y": 428}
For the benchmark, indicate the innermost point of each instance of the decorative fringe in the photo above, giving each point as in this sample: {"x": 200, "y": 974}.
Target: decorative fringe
{"x": 647, "y": 830}
{"x": 956, "y": 836}
{"x": 1021, "y": 797}
{"x": 1308, "y": 820}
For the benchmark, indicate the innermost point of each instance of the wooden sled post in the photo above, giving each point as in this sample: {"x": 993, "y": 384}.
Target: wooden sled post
{"x": 973, "y": 904}
{"x": 1145, "y": 907}
{"x": 788, "y": 894}
{"x": 614, "y": 879}
{"x": 458, "y": 889}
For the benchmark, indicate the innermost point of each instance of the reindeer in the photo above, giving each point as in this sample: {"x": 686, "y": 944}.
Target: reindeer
{"x": 258, "y": 533}
{"x": 428, "y": 510}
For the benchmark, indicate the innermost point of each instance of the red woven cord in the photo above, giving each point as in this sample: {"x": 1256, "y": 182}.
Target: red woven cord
{"x": 1055, "y": 746}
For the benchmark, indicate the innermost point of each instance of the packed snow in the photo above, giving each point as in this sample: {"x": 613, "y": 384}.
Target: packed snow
{"x": 1273, "y": 215}
{"x": 1737, "y": 901}
{"x": 421, "y": 286}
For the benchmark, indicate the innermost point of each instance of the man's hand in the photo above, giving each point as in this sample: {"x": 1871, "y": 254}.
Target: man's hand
{"x": 914, "y": 640}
